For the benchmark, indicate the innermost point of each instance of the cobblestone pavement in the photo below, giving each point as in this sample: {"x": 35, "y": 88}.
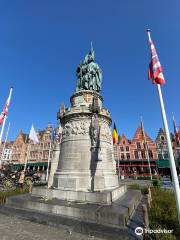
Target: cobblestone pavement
{"x": 13, "y": 228}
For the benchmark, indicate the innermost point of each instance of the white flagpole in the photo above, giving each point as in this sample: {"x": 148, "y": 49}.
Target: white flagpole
{"x": 2, "y": 129}
{"x": 146, "y": 148}
{"x": 118, "y": 168}
{"x": 27, "y": 156}
{"x": 49, "y": 156}
{"x": 4, "y": 145}
{"x": 172, "y": 161}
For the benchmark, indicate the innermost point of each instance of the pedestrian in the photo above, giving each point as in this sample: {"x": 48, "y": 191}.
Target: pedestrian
{"x": 21, "y": 179}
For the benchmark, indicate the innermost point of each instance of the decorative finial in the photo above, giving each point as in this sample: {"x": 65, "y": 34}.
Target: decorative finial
{"x": 148, "y": 34}
{"x": 91, "y": 45}
{"x": 92, "y": 51}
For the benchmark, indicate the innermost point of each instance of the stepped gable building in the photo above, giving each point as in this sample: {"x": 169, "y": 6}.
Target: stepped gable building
{"x": 122, "y": 151}
{"x": 40, "y": 152}
{"x": 162, "y": 148}
{"x": 176, "y": 145}
{"x": 138, "y": 147}
{"x": 132, "y": 156}
{"x": 161, "y": 145}
{"x": 23, "y": 149}
{"x": 19, "y": 149}
{"x": 6, "y": 151}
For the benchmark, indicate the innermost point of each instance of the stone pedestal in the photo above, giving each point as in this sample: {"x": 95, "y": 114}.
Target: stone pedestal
{"x": 54, "y": 164}
{"x": 105, "y": 197}
{"x": 81, "y": 166}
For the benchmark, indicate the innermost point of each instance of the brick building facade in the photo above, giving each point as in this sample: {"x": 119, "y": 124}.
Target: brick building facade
{"x": 161, "y": 145}
{"x": 142, "y": 146}
{"x": 132, "y": 155}
{"x": 22, "y": 149}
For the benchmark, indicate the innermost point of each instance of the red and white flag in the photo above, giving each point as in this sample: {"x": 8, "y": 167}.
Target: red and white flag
{"x": 155, "y": 71}
{"x": 5, "y": 109}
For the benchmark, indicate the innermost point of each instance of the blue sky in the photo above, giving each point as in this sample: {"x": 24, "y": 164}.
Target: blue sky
{"x": 42, "y": 42}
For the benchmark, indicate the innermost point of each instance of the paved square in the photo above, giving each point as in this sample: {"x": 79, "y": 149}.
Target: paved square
{"x": 13, "y": 228}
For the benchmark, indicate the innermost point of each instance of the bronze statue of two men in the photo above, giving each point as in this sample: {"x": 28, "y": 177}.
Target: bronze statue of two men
{"x": 89, "y": 75}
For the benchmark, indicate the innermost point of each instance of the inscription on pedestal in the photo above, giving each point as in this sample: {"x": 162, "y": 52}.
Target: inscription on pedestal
{"x": 68, "y": 183}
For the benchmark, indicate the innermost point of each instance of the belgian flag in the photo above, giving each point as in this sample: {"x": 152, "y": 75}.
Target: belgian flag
{"x": 115, "y": 135}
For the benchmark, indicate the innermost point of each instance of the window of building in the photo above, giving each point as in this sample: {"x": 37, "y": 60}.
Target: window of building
{"x": 144, "y": 145}
{"x": 122, "y": 149}
{"x": 178, "y": 153}
{"x": 150, "y": 154}
{"x": 46, "y": 138}
{"x": 143, "y": 155}
{"x": 127, "y": 149}
{"x": 160, "y": 156}
{"x": 162, "y": 138}
{"x": 128, "y": 156}
{"x": 138, "y": 144}
{"x": 122, "y": 156}
{"x": 124, "y": 142}
{"x": 136, "y": 155}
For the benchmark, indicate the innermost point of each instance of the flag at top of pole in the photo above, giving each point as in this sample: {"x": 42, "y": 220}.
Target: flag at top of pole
{"x": 33, "y": 135}
{"x": 6, "y": 107}
{"x": 155, "y": 71}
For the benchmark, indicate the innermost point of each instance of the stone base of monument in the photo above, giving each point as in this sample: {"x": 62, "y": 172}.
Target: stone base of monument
{"x": 97, "y": 219}
{"x": 97, "y": 197}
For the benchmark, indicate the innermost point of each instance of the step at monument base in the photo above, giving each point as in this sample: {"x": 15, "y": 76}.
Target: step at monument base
{"x": 97, "y": 197}
{"x": 115, "y": 215}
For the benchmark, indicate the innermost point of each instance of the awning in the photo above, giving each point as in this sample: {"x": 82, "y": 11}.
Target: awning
{"x": 178, "y": 162}
{"x": 36, "y": 164}
{"x": 163, "y": 163}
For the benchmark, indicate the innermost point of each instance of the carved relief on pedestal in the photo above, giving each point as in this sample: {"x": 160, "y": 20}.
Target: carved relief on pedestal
{"x": 105, "y": 132}
{"x": 76, "y": 128}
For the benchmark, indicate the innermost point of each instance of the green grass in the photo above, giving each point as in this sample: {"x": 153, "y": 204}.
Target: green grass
{"x": 144, "y": 190}
{"x": 163, "y": 213}
{"x": 17, "y": 191}
{"x": 146, "y": 178}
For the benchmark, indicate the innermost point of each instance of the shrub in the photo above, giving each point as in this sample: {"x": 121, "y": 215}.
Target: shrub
{"x": 146, "y": 178}
{"x": 17, "y": 191}
{"x": 163, "y": 213}
{"x": 144, "y": 190}
{"x": 156, "y": 183}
